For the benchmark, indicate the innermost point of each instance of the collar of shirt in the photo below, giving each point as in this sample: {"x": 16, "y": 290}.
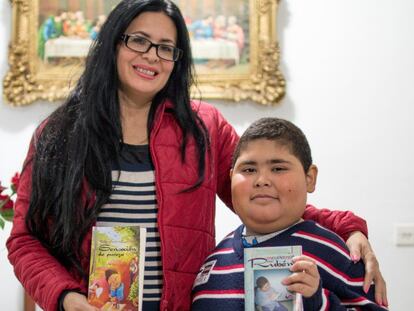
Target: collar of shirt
{"x": 252, "y": 240}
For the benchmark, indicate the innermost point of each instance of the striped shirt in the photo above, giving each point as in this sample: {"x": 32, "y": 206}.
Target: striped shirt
{"x": 222, "y": 286}
{"x": 133, "y": 202}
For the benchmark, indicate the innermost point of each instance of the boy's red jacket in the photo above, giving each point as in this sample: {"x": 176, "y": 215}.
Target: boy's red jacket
{"x": 185, "y": 219}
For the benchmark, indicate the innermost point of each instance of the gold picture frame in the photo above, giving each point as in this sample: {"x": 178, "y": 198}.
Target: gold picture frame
{"x": 31, "y": 78}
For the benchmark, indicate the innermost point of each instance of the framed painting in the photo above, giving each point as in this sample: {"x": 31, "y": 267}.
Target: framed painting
{"x": 234, "y": 48}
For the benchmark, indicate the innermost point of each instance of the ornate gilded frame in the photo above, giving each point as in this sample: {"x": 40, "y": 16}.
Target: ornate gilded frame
{"x": 264, "y": 83}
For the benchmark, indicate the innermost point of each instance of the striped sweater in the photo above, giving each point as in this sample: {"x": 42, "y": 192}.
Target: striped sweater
{"x": 133, "y": 202}
{"x": 341, "y": 279}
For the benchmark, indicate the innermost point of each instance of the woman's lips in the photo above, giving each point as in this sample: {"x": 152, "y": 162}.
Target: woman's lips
{"x": 145, "y": 72}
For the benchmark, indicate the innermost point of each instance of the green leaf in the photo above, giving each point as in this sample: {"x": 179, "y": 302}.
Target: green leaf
{"x": 7, "y": 214}
{"x": 2, "y": 223}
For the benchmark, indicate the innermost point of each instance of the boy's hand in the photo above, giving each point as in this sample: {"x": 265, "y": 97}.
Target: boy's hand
{"x": 359, "y": 247}
{"x": 77, "y": 302}
{"x": 305, "y": 279}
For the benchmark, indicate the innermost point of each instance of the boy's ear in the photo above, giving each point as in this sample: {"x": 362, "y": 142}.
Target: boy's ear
{"x": 231, "y": 173}
{"x": 311, "y": 177}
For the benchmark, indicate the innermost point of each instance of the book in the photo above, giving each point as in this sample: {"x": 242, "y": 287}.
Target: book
{"x": 116, "y": 272}
{"x": 264, "y": 270}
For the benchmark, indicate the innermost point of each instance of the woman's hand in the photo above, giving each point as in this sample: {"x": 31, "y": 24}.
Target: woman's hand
{"x": 360, "y": 248}
{"x": 305, "y": 277}
{"x": 77, "y": 302}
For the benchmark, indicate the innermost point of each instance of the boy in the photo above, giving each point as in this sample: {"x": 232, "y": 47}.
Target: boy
{"x": 116, "y": 287}
{"x": 271, "y": 176}
{"x": 266, "y": 296}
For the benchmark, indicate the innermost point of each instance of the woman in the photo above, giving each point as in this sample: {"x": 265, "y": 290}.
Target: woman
{"x": 129, "y": 147}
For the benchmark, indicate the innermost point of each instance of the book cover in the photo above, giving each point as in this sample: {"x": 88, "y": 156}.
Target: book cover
{"x": 264, "y": 270}
{"x": 117, "y": 268}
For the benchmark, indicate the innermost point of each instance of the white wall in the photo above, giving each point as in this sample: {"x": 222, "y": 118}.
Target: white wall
{"x": 350, "y": 69}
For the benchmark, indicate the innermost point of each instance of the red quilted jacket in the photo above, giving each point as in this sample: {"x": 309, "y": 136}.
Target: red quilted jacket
{"x": 185, "y": 220}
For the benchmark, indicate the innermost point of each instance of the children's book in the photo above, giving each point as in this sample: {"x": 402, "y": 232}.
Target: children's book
{"x": 264, "y": 270}
{"x": 116, "y": 273}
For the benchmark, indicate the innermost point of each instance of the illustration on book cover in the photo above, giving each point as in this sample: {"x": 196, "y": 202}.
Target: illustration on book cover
{"x": 265, "y": 268}
{"x": 116, "y": 268}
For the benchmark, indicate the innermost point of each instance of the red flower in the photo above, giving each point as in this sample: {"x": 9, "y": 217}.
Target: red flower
{"x": 7, "y": 201}
{"x": 15, "y": 182}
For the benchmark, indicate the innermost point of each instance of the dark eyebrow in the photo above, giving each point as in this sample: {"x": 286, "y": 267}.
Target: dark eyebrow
{"x": 271, "y": 161}
{"x": 248, "y": 162}
{"x": 277, "y": 161}
{"x": 146, "y": 35}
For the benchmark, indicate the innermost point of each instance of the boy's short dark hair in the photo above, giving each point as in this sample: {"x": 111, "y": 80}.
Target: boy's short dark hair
{"x": 108, "y": 273}
{"x": 261, "y": 281}
{"x": 282, "y": 131}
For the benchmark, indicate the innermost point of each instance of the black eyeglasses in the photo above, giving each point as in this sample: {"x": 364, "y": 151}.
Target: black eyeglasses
{"x": 143, "y": 45}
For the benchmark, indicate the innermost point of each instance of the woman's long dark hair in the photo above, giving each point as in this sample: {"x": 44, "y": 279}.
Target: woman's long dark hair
{"x": 81, "y": 139}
